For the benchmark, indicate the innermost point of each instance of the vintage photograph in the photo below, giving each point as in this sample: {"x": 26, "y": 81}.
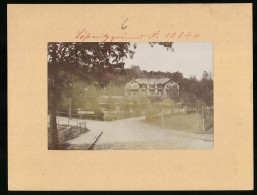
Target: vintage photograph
{"x": 130, "y": 96}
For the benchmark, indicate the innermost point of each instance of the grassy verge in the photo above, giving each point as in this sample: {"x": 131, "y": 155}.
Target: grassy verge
{"x": 182, "y": 122}
{"x": 66, "y": 133}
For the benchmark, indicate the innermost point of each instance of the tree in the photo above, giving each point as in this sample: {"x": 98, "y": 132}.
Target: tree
{"x": 176, "y": 76}
{"x": 136, "y": 69}
{"x": 198, "y": 95}
{"x": 71, "y": 62}
{"x": 93, "y": 63}
{"x": 203, "y": 91}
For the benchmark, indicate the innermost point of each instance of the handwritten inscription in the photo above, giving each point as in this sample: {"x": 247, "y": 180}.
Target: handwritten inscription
{"x": 122, "y": 26}
{"x": 84, "y": 35}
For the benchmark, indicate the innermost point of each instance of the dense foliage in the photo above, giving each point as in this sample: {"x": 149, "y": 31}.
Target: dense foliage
{"x": 84, "y": 71}
{"x": 191, "y": 89}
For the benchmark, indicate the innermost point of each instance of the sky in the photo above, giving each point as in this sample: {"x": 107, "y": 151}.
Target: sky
{"x": 189, "y": 58}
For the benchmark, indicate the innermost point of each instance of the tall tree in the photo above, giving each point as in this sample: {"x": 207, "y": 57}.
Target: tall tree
{"x": 92, "y": 62}
{"x": 70, "y": 62}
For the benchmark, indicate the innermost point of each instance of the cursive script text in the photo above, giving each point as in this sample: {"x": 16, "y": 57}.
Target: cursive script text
{"x": 85, "y": 35}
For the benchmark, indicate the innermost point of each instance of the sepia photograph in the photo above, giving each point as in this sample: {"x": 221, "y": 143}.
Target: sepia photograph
{"x": 130, "y": 96}
{"x": 133, "y": 97}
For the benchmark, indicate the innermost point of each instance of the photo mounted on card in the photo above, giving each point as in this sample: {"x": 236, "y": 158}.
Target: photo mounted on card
{"x": 130, "y": 97}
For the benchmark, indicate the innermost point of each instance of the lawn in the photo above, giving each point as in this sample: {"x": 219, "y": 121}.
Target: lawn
{"x": 183, "y": 122}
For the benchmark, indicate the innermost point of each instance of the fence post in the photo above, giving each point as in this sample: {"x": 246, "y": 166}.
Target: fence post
{"x": 70, "y": 104}
{"x": 162, "y": 117}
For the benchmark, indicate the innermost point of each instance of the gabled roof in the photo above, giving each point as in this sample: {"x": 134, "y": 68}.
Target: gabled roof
{"x": 152, "y": 81}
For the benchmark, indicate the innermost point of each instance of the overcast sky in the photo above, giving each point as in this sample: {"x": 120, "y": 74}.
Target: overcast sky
{"x": 190, "y": 58}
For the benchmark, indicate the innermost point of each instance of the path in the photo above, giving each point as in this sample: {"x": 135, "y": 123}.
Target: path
{"x": 129, "y": 134}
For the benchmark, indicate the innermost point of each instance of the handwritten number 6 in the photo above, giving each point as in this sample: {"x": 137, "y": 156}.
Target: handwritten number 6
{"x": 123, "y": 27}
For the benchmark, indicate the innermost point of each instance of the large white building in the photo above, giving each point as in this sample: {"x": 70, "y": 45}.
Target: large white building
{"x": 151, "y": 87}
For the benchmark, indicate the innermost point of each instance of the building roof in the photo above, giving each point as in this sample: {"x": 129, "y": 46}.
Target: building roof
{"x": 152, "y": 81}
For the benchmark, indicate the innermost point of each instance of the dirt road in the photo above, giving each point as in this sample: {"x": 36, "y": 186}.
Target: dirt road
{"x": 130, "y": 134}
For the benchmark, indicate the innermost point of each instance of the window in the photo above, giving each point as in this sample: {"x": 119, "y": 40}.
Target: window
{"x": 175, "y": 87}
{"x": 143, "y": 86}
{"x": 159, "y": 86}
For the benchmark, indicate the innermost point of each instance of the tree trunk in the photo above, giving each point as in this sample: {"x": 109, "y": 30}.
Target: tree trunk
{"x": 162, "y": 118}
{"x": 53, "y": 129}
{"x": 70, "y": 107}
{"x": 52, "y": 101}
{"x": 203, "y": 125}
{"x": 53, "y": 124}
{"x": 203, "y": 118}
{"x": 196, "y": 114}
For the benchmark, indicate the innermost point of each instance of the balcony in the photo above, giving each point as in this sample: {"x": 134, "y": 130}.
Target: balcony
{"x": 129, "y": 87}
